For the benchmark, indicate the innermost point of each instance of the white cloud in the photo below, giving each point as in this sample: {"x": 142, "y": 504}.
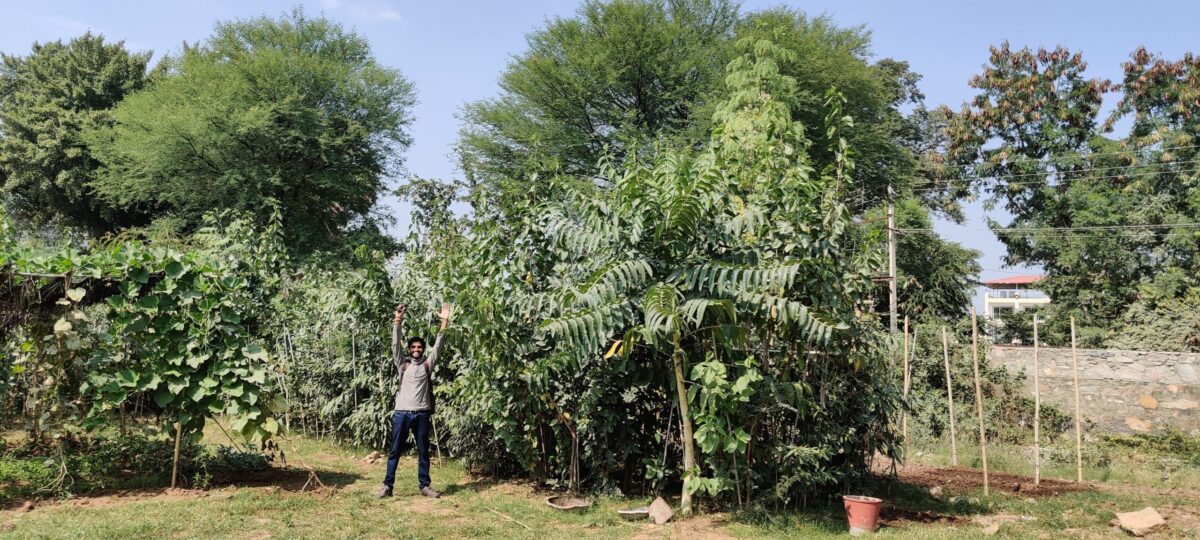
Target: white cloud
{"x": 372, "y": 11}
{"x": 69, "y": 25}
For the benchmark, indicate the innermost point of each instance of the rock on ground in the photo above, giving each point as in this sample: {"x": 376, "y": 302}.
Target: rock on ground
{"x": 660, "y": 511}
{"x": 1141, "y": 522}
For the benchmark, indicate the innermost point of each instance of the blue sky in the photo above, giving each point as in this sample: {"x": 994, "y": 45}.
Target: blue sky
{"x": 454, "y": 50}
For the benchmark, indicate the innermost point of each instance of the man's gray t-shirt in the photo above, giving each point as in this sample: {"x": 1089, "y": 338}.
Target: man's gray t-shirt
{"x": 415, "y": 380}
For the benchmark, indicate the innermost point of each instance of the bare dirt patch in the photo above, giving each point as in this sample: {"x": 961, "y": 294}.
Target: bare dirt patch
{"x": 964, "y": 479}
{"x": 707, "y": 527}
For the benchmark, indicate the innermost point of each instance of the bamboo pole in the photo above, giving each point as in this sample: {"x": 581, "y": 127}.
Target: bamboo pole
{"x": 1078, "y": 431}
{"x": 949, "y": 399}
{"x": 904, "y": 379}
{"x": 979, "y": 399}
{"x": 1037, "y": 408}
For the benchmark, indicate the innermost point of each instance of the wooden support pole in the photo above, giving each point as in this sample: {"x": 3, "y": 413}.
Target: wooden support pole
{"x": 1078, "y": 430}
{"x": 949, "y": 398}
{"x": 892, "y": 289}
{"x": 1037, "y": 408}
{"x": 904, "y": 379}
{"x": 175, "y": 465}
{"x": 979, "y": 399}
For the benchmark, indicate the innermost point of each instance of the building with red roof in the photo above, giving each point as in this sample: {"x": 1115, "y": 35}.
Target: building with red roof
{"x": 1012, "y": 293}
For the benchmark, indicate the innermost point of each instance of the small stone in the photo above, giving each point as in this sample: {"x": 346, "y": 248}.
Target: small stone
{"x": 998, "y": 519}
{"x": 937, "y": 492}
{"x": 1181, "y": 404}
{"x": 660, "y": 511}
{"x": 1031, "y": 500}
{"x": 1148, "y": 402}
{"x": 991, "y": 529}
{"x": 1137, "y": 424}
{"x": 1187, "y": 373}
{"x": 27, "y": 506}
{"x": 1141, "y": 522}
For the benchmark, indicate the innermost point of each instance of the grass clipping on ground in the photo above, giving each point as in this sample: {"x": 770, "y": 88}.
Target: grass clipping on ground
{"x": 278, "y": 505}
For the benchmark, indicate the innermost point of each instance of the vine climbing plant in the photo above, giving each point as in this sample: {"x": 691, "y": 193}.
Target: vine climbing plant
{"x": 171, "y": 325}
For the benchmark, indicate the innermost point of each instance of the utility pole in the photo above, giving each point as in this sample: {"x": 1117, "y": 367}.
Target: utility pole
{"x": 891, "y": 226}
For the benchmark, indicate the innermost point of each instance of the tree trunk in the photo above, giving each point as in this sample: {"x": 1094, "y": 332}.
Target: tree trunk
{"x": 685, "y": 425}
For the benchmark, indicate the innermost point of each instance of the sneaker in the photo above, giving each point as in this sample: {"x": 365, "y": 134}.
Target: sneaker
{"x": 384, "y": 492}
{"x": 429, "y": 492}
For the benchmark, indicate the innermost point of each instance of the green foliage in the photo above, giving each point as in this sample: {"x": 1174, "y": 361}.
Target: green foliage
{"x": 115, "y": 462}
{"x": 1016, "y": 327}
{"x": 293, "y": 111}
{"x": 177, "y": 327}
{"x": 720, "y": 404}
{"x": 582, "y": 92}
{"x": 1165, "y": 319}
{"x": 329, "y": 328}
{"x": 1008, "y": 407}
{"x": 183, "y": 324}
{"x": 936, "y": 277}
{"x": 825, "y": 55}
{"x": 48, "y": 99}
{"x": 1171, "y": 444}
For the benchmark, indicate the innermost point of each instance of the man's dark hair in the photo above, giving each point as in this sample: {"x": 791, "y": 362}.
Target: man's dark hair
{"x": 415, "y": 339}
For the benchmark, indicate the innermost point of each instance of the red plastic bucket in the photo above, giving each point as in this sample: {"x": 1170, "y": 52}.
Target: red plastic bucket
{"x": 862, "y": 513}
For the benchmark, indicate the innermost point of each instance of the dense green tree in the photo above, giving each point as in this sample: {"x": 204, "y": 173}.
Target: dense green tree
{"x": 581, "y": 89}
{"x": 1034, "y": 140}
{"x": 291, "y": 111}
{"x": 734, "y": 252}
{"x": 47, "y": 100}
{"x": 617, "y": 73}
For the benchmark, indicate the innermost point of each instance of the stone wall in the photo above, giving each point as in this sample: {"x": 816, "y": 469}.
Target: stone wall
{"x": 1123, "y": 391}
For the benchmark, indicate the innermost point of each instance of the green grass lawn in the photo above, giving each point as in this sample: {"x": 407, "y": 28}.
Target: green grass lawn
{"x": 472, "y": 507}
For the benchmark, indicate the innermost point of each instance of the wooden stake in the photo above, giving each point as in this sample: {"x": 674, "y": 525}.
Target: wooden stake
{"x": 979, "y": 399}
{"x": 1078, "y": 431}
{"x": 506, "y": 516}
{"x": 175, "y": 466}
{"x": 1037, "y": 408}
{"x": 904, "y": 378}
{"x": 949, "y": 399}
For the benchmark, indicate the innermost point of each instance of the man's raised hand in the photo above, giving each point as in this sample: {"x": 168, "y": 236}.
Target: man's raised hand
{"x": 399, "y": 315}
{"x": 445, "y": 315}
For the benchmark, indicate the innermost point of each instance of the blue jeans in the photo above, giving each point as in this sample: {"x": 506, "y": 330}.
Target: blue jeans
{"x": 402, "y": 422}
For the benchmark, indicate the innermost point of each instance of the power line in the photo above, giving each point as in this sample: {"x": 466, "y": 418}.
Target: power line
{"x": 1064, "y": 181}
{"x": 1068, "y": 171}
{"x": 1094, "y": 154}
{"x": 1075, "y": 228}
{"x": 1085, "y": 234}
{"x": 1004, "y": 271}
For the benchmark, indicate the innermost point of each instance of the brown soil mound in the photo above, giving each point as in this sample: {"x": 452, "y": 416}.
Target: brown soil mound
{"x": 958, "y": 479}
